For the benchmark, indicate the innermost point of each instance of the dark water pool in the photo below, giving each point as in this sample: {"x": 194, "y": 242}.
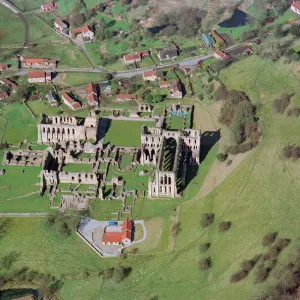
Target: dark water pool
{"x": 239, "y": 18}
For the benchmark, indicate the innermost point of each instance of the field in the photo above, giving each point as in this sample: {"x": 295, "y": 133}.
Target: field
{"x": 10, "y": 22}
{"x": 28, "y": 5}
{"x": 125, "y": 133}
{"x": 77, "y": 79}
{"x": 65, "y": 54}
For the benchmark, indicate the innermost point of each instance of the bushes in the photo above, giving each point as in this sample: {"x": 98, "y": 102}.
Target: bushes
{"x": 205, "y": 264}
{"x": 246, "y": 267}
{"x": 206, "y": 219}
{"x": 248, "y": 34}
{"x": 293, "y": 112}
{"x": 222, "y": 157}
{"x": 224, "y": 226}
{"x": 204, "y": 247}
{"x": 281, "y": 103}
{"x": 61, "y": 223}
{"x": 269, "y": 239}
{"x": 291, "y": 151}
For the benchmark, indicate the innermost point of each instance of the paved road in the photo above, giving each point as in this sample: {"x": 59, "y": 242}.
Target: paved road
{"x": 145, "y": 233}
{"x": 9, "y": 7}
{"x": 23, "y": 215}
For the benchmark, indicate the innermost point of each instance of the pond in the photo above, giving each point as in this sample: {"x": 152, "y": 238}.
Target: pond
{"x": 239, "y": 18}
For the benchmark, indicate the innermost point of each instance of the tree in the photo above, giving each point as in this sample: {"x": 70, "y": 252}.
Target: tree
{"x": 269, "y": 239}
{"x": 224, "y": 226}
{"x": 206, "y": 219}
{"x": 278, "y": 31}
{"x": 158, "y": 98}
{"x": 8, "y": 260}
{"x": 119, "y": 274}
{"x": 222, "y": 157}
{"x": 295, "y": 30}
{"x": 204, "y": 247}
{"x": 149, "y": 98}
{"x": 22, "y": 91}
{"x": 205, "y": 264}
{"x": 76, "y": 19}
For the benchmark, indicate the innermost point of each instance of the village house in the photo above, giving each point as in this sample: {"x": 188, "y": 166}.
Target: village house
{"x": 164, "y": 84}
{"x": 126, "y": 97}
{"x": 150, "y": 75}
{"x": 86, "y": 31}
{"x": 175, "y": 90}
{"x": 7, "y": 83}
{"x": 3, "y": 95}
{"x": 70, "y": 102}
{"x": 48, "y": 7}
{"x": 218, "y": 54}
{"x": 92, "y": 96}
{"x": 52, "y": 99}
{"x": 136, "y": 57}
{"x": 60, "y": 25}
{"x": 38, "y": 63}
{"x": 295, "y": 7}
{"x": 3, "y": 67}
{"x": 167, "y": 53}
{"x": 39, "y": 77}
{"x": 123, "y": 237}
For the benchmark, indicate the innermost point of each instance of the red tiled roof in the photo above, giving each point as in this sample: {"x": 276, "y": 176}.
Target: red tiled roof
{"x": 36, "y": 74}
{"x": 112, "y": 237}
{"x": 69, "y": 99}
{"x": 33, "y": 60}
{"x": 127, "y": 225}
{"x": 126, "y": 96}
{"x": 132, "y": 57}
{"x": 48, "y": 5}
{"x": 59, "y": 22}
{"x": 91, "y": 88}
{"x": 77, "y": 30}
{"x": 3, "y": 95}
{"x": 164, "y": 83}
{"x": 296, "y": 5}
{"x": 222, "y": 54}
{"x": 6, "y": 82}
{"x": 86, "y": 28}
{"x": 92, "y": 98}
{"x": 150, "y": 73}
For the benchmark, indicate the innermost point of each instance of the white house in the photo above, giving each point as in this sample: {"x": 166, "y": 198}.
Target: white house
{"x": 60, "y": 25}
{"x": 39, "y": 77}
{"x": 70, "y": 102}
{"x": 150, "y": 75}
{"x": 295, "y": 7}
{"x": 87, "y": 32}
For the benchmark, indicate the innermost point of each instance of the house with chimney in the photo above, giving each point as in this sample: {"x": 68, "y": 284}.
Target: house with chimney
{"x": 175, "y": 90}
{"x": 48, "y": 7}
{"x": 60, "y": 25}
{"x": 150, "y": 75}
{"x": 126, "y": 97}
{"x": 39, "y": 77}
{"x": 70, "y": 101}
{"x": 37, "y": 63}
{"x": 92, "y": 94}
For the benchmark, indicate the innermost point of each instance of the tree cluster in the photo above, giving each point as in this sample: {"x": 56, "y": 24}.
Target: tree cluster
{"x": 291, "y": 151}
{"x": 186, "y": 21}
{"x": 239, "y": 114}
{"x": 64, "y": 225}
{"x": 206, "y": 220}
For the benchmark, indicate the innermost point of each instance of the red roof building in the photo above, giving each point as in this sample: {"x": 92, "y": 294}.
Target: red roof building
{"x": 295, "y": 7}
{"x": 164, "y": 84}
{"x": 39, "y": 77}
{"x": 70, "y": 102}
{"x": 92, "y": 94}
{"x": 3, "y": 95}
{"x": 38, "y": 62}
{"x": 48, "y": 7}
{"x": 121, "y": 237}
{"x": 221, "y": 55}
{"x": 6, "y": 82}
{"x": 126, "y": 97}
{"x": 150, "y": 75}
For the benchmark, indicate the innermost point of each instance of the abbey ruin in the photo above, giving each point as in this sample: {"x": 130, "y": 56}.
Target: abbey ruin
{"x": 164, "y": 157}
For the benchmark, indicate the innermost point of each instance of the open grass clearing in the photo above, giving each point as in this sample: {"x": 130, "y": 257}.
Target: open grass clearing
{"x": 78, "y": 168}
{"x": 77, "y": 79}
{"x": 28, "y": 5}
{"x": 125, "y": 133}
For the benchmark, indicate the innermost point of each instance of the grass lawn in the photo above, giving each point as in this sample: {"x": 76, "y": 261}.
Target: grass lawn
{"x": 125, "y": 133}
{"x": 65, "y": 54}
{"x": 235, "y": 32}
{"x": 10, "y": 22}
{"x": 42, "y": 107}
{"x": 20, "y": 124}
{"x": 77, "y": 79}
{"x": 28, "y": 5}
{"x": 39, "y": 32}
{"x": 78, "y": 168}
{"x": 46, "y": 251}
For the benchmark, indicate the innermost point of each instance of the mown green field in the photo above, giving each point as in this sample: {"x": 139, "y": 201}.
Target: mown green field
{"x": 125, "y": 133}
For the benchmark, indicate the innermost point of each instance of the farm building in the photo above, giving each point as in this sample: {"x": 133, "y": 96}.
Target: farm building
{"x": 70, "y": 102}
{"x": 48, "y": 7}
{"x": 39, "y": 77}
{"x": 60, "y": 25}
{"x": 218, "y": 54}
{"x": 126, "y": 97}
{"x": 208, "y": 40}
{"x": 92, "y": 96}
